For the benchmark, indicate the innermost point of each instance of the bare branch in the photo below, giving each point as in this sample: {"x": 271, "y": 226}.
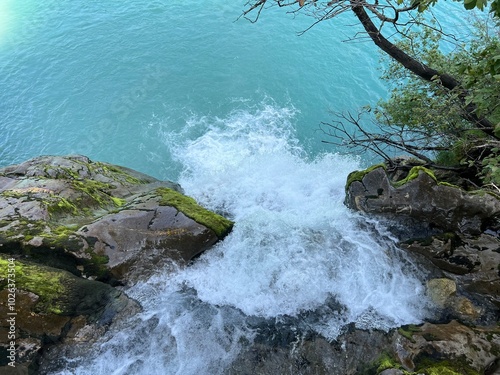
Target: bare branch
{"x": 385, "y": 141}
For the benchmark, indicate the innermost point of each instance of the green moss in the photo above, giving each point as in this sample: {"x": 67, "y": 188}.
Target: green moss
{"x": 483, "y": 192}
{"x": 118, "y": 202}
{"x": 96, "y": 190}
{"x": 4, "y": 223}
{"x": 97, "y": 265}
{"x": 188, "y": 206}
{"x": 61, "y": 206}
{"x": 70, "y": 173}
{"x": 52, "y": 236}
{"x": 457, "y": 366}
{"x": 413, "y": 174}
{"x": 61, "y": 236}
{"x": 23, "y": 229}
{"x": 408, "y": 331}
{"x": 116, "y": 173}
{"x": 46, "y": 284}
{"x": 430, "y": 337}
{"x": 93, "y": 194}
{"x": 385, "y": 362}
{"x": 382, "y": 363}
{"x": 358, "y": 175}
{"x": 12, "y": 194}
{"x": 444, "y": 183}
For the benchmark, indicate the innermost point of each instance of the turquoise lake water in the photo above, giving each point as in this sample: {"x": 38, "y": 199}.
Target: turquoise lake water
{"x": 113, "y": 79}
{"x": 231, "y": 110}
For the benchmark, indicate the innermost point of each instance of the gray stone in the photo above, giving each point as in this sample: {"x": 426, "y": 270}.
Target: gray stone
{"x": 99, "y": 220}
{"x": 424, "y": 199}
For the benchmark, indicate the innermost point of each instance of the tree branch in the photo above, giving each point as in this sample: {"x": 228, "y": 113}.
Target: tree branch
{"x": 422, "y": 70}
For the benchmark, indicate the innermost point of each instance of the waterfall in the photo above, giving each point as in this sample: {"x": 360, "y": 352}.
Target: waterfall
{"x": 296, "y": 254}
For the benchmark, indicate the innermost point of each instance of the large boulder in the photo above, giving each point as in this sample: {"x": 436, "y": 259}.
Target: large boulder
{"x": 421, "y": 197}
{"x": 42, "y": 306}
{"x": 99, "y": 220}
{"x": 70, "y": 230}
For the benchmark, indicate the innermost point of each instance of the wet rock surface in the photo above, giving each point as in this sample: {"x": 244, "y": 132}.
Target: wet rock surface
{"x": 431, "y": 349}
{"x": 99, "y": 220}
{"x": 70, "y": 230}
{"x": 421, "y": 197}
{"x": 454, "y": 234}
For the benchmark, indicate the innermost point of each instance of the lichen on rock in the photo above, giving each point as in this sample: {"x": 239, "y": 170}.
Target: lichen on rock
{"x": 48, "y": 204}
{"x": 68, "y": 223}
{"x": 422, "y": 197}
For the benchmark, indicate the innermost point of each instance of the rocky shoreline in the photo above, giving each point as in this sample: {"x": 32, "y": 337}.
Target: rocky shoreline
{"x": 74, "y": 229}
{"x": 454, "y": 233}
{"x": 75, "y": 232}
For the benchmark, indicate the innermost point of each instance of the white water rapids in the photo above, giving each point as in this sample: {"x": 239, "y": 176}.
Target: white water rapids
{"x": 294, "y": 248}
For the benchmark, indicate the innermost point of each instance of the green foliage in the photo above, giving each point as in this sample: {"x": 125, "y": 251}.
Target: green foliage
{"x": 423, "y": 5}
{"x": 434, "y": 113}
{"x": 419, "y": 105}
{"x": 491, "y": 168}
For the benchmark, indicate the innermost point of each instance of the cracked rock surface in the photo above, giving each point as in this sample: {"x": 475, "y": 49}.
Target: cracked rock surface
{"x": 70, "y": 230}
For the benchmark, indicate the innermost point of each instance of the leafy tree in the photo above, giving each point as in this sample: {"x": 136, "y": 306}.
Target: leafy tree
{"x": 443, "y": 105}
{"x": 425, "y": 107}
{"x": 396, "y": 14}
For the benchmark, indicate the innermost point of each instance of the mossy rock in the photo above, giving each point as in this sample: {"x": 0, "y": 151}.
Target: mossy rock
{"x": 384, "y": 362}
{"x": 358, "y": 175}
{"x": 457, "y": 366}
{"x": 413, "y": 174}
{"x": 48, "y": 306}
{"x": 59, "y": 292}
{"x": 47, "y": 203}
{"x": 422, "y": 198}
{"x": 188, "y": 206}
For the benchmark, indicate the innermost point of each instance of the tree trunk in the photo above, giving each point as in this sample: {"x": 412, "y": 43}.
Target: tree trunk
{"x": 420, "y": 69}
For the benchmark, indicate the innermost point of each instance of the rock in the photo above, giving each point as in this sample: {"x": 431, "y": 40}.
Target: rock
{"x": 448, "y": 229}
{"x": 448, "y": 347}
{"x": 45, "y": 304}
{"x": 421, "y": 197}
{"x": 99, "y": 220}
{"x": 429, "y": 349}
{"x": 472, "y": 264}
{"x": 441, "y": 290}
{"x": 313, "y": 355}
{"x": 66, "y": 224}
{"x": 443, "y": 294}
{"x": 392, "y": 371}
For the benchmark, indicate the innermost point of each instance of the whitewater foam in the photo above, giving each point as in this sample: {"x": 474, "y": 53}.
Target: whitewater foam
{"x": 294, "y": 243}
{"x": 295, "y": 253}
